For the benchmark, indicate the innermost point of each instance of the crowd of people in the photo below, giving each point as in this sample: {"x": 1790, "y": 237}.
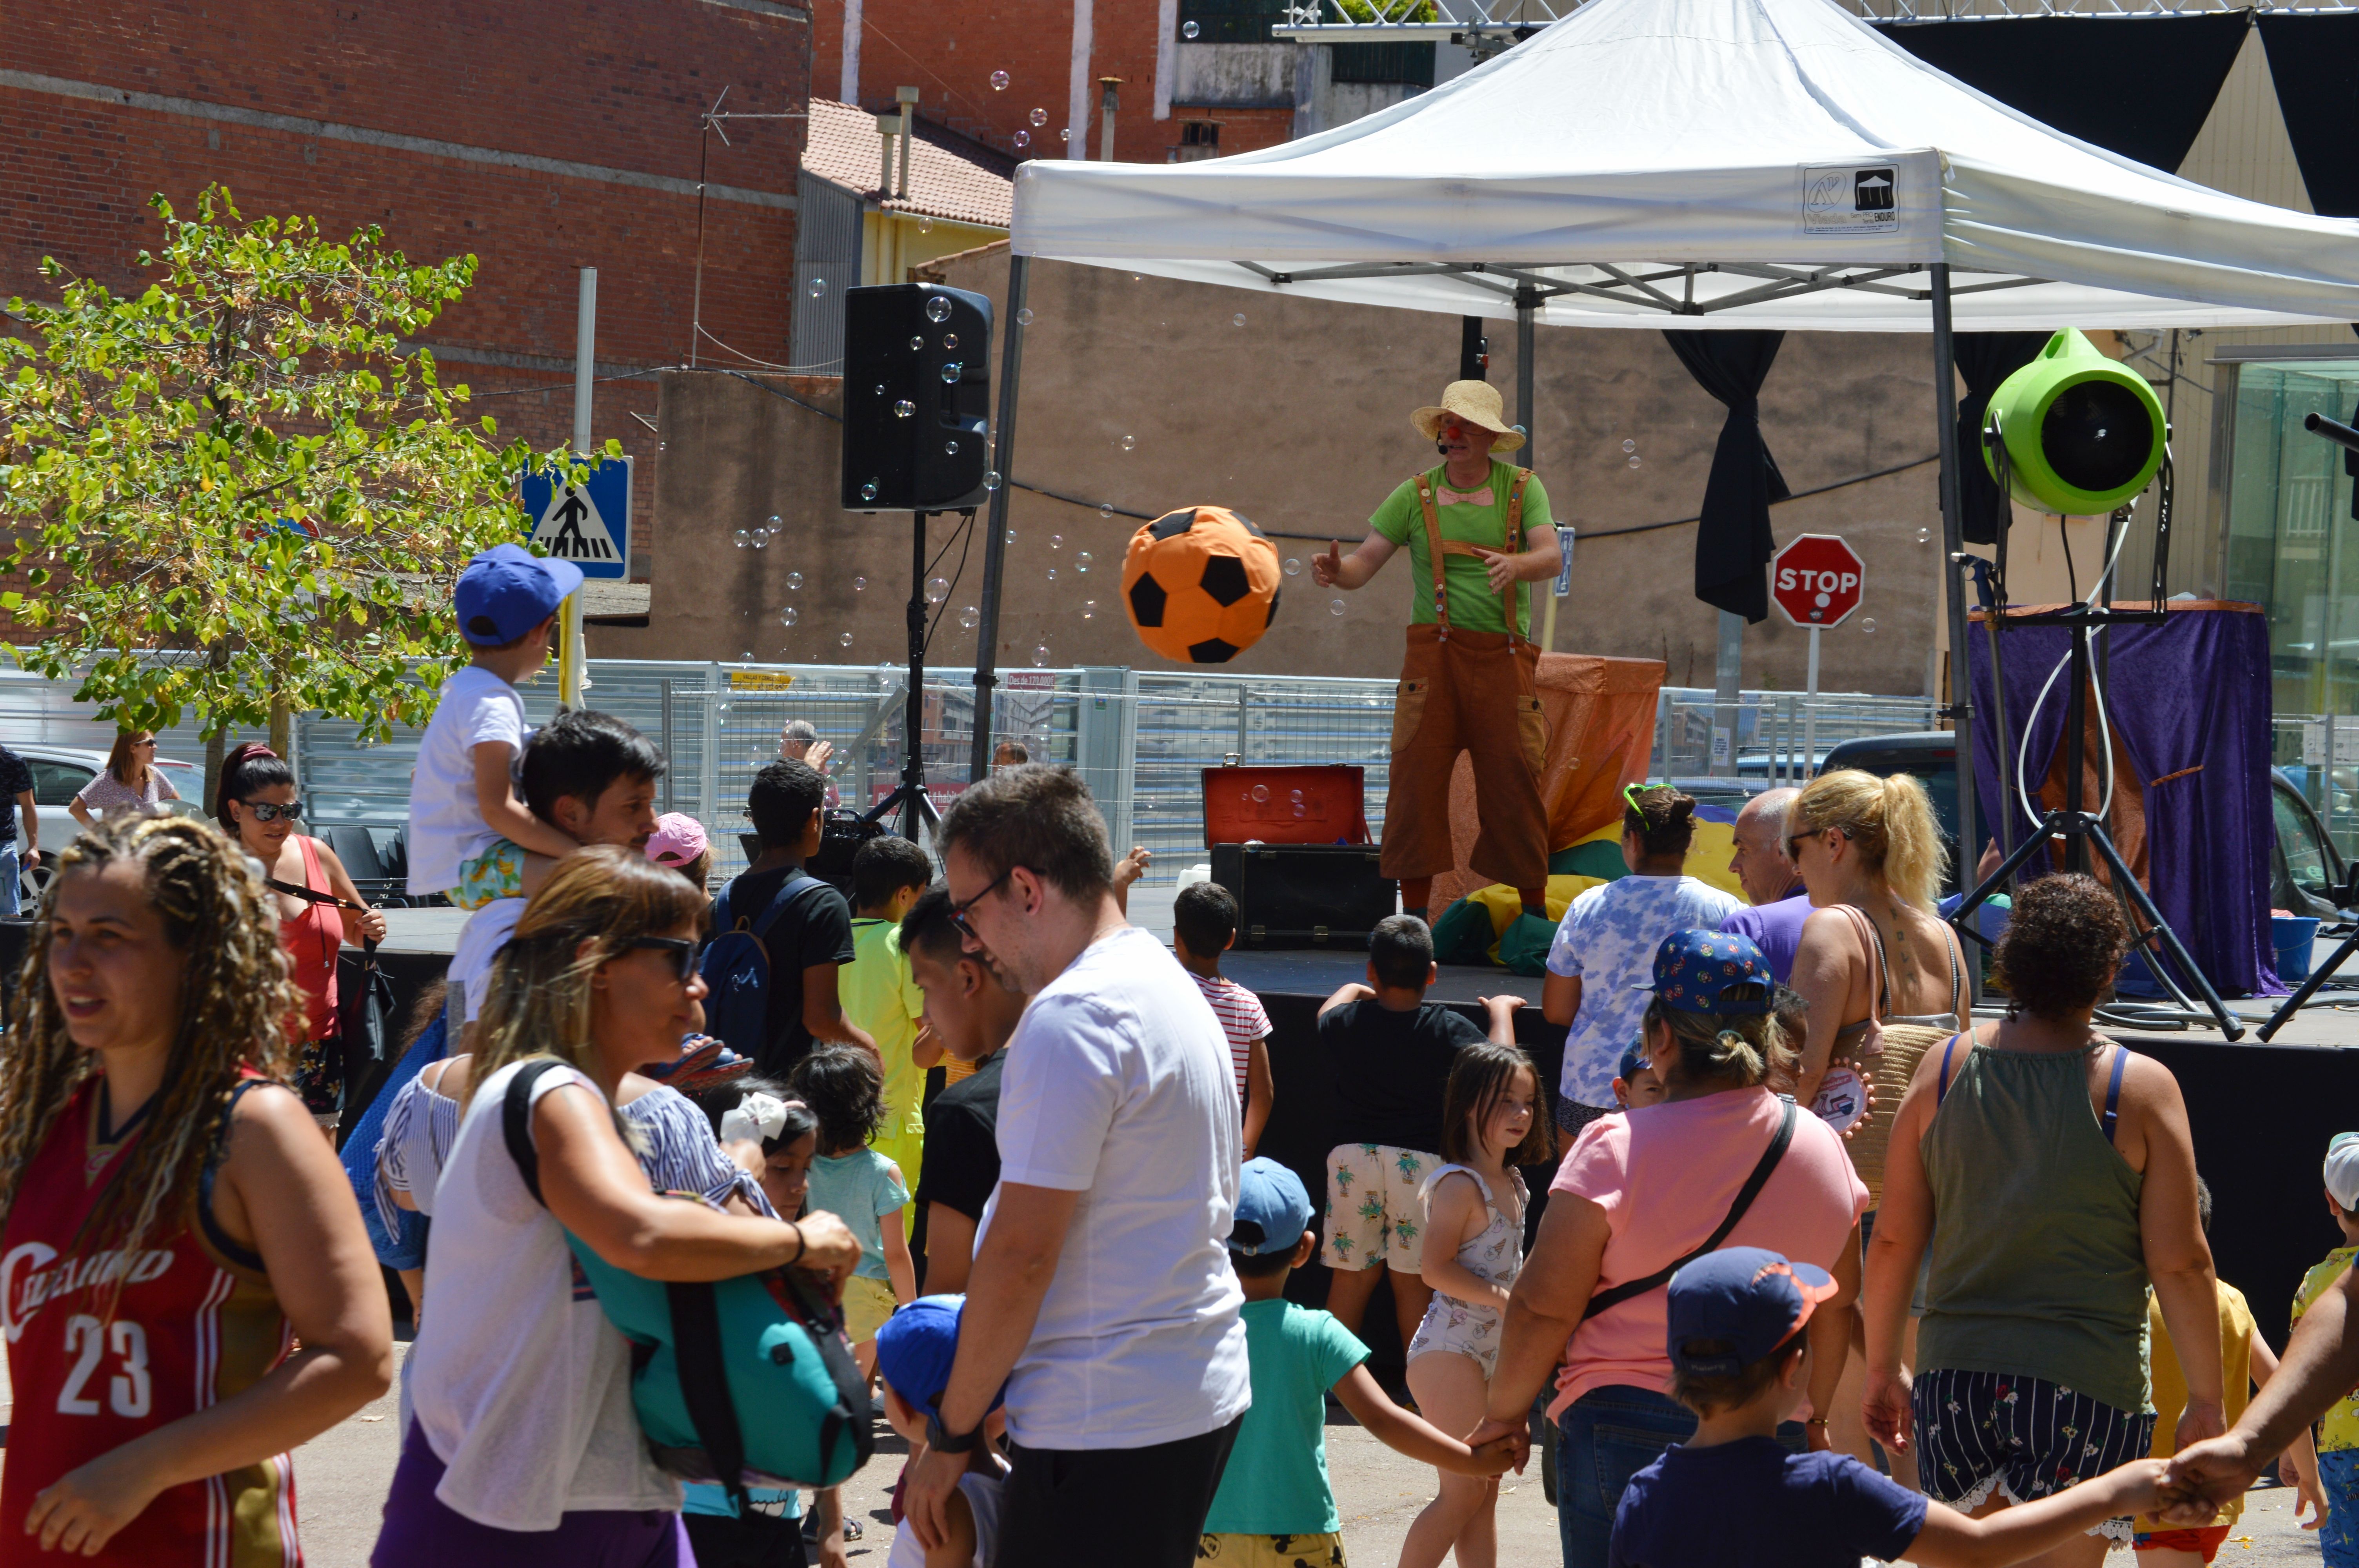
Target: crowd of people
{"x": 1826, "y": 1269}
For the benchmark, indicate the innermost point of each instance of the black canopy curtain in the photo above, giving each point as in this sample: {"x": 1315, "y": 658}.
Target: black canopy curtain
{"x": 1733, "y": 542}
{"x": 1984, "y": 360}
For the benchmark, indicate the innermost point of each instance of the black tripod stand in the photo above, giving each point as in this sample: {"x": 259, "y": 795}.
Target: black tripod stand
{"x": 2078, "y": 830}
{"x": 910, "y": 798}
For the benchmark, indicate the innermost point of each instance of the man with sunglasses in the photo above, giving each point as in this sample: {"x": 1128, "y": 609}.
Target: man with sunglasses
{"x": 1101, "y": 1295}
{"x": 1474, "y": 527}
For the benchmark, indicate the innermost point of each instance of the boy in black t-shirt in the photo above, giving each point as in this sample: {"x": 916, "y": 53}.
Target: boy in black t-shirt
{"x": 811, "y": 937}
{"x": 1390, "y": 1052}
{"x": 972, "y": 1015}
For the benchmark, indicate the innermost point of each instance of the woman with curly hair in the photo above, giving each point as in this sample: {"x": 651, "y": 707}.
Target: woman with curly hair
{"x": 174, "y": 1226}
{"x": 2055, "y": 1176}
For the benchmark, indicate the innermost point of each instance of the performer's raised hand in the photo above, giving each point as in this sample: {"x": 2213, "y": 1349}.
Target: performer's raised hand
{"x": 1328, "y": 569}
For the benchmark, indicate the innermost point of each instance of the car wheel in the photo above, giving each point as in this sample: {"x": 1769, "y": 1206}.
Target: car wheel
{"x": 31, "y": 882}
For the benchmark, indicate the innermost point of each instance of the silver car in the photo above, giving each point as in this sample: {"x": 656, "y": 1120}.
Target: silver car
{"x": 59, "y": 775}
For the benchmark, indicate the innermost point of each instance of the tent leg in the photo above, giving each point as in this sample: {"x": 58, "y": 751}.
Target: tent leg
{"x": 1526, "y": 306}
{"x": 1953, "y": 544}
{"x": 994, "y": 546}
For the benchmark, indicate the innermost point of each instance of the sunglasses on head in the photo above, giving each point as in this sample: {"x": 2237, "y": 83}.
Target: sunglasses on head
{"x": 267, "y": 811}
{"x": 681, "y": 948}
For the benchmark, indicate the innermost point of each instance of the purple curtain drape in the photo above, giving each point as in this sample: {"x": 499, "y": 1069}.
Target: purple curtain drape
{"x": 2189, "y": 694}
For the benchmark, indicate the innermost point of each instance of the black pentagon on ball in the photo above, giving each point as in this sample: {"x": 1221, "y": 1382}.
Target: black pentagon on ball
{"x": 1147, "y": 599}
{"x": 1172, "y": 523}
{"x": 1212, "y": 651}
{"x": 1224, "y": 580}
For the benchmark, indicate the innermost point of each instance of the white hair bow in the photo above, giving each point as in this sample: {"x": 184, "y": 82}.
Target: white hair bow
{"x": 755, "y": 1119}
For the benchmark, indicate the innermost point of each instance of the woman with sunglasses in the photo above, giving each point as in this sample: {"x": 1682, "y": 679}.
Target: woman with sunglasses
{"x": 525, "y": 1449}
{"x": 258, "y": 808}
{"x": 130, "y": 784}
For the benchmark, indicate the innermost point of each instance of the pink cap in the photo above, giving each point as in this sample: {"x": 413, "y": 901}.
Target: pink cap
{"x": 678, "y": 839}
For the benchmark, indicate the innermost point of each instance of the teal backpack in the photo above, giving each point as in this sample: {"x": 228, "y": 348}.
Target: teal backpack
{"x": 744, "y": 1382}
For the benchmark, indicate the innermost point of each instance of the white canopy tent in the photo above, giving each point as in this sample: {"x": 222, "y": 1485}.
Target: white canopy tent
{"x": 1694, "y": 164}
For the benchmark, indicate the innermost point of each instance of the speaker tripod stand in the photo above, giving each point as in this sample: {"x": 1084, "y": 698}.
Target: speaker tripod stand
{"x": 910, "y": 800}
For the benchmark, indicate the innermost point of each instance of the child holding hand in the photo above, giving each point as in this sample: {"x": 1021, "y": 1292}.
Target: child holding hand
{"x": 1474, "y": 1249}
{"x": 845, "y": 1089}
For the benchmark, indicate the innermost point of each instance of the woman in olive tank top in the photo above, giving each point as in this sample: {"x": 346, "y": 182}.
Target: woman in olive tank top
{"x": 2063, "y": 1175}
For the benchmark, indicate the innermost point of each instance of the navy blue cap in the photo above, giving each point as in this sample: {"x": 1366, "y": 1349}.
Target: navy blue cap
{"x": 1747, "y": 1296}
{"x": 915, "y": 1348}
{"x": 1271, "y": 1196}
{"x": 507, "y": 591}
{"x": 1633, "y": 1063}
{"x": 1696, "y": 971}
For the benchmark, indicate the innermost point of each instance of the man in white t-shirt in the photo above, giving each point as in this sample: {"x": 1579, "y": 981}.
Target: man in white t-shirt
{"x": 1101, "y": 1294}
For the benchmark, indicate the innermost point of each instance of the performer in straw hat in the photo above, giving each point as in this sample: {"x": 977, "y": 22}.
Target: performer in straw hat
{"x": 1475, "y": 528}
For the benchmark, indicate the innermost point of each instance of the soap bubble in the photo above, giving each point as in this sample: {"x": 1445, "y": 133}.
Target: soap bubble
{"x": 880, "y": 389}
{"x": 1238, "y": 320}
{"x": 744, "y": 658}
{"x": 868, "y": 491}
{"x": 1066, "y": 135}
{"x": 1633, "y": 463}
{"x": 937, "y": 589}
{"x": 1300, "y": 810}
{"x": 818, "y": 288}
{"x": 1129, "y": 442}
{"x": 991, "y": 480}
{"x": 915, "y": 345}
{"x": 1038, "y": 116}
{"x": 1052, "y": 574}
{"x": 843, "y": 640}
{"x": 1081, "y": 562}
{"x": 1293, "y": 567}
{"x": 1040, "y": 655}
{"x": 950, "y": 449}
{"x": 1023, "y": 138}
{"x": 1520, "y": 430}
{"x": 904, "y": 409}
{"x": 999, "y": 82}
{"x": 938, "y": 308}
{"x": 789, "y": 615}
{"x": 859, "y": 583}
{"x": 925, "y": 225}
{"x": 794, "y": 579}
{"x": 1629, "y": 446}
{"x": 661, "y": 445}
{"x": 1024, "y": 317}
{"x": 970, "y": 618}
{"x": 1189, "y": 29}
{"x": 743, "y": 537}
{"x": 951, "y": 371}
{"x": 950, "y": 340}
{"x": 1056, "y": 541}
{"x": 774, "y": 525}
{"x": 1334, "y": 607}
{"x": 1924, "y": 536}
{"x": 1296, "y": 795}
{"x": 761, "y": 540}
{"x": 1106, "y": 508}
{"x": 1868, "y": 625}
{"x": 1089, "y": 608}
{"x": 1260, "y": 793}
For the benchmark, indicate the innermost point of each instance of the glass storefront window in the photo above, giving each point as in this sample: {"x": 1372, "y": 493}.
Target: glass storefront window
{"x": 2293, "y": 546}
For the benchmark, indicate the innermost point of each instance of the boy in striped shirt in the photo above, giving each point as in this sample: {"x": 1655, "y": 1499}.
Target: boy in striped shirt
{"x": 1203, "y": 926}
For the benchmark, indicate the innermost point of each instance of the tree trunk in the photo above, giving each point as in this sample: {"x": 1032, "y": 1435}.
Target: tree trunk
{"x": 216, "y": 746}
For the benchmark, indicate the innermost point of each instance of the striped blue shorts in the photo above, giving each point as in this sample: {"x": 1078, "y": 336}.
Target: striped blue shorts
{"x": 1981, "y": 1431}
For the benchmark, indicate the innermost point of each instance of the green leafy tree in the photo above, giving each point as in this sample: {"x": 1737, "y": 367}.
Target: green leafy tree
{"x": 233, "y": 494}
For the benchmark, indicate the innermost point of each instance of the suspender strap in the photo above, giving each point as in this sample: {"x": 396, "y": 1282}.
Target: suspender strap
{"x": 1433, "y": 553}
{"x": 1604, "y": 1300}
{"x": 2113, "y": 1094}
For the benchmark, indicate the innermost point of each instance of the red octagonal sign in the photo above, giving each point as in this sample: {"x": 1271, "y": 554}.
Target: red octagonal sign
{"x": 1816, "y": 580}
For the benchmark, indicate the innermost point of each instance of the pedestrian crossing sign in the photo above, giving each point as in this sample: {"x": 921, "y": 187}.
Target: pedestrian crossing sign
{"x": 589, "y": 525}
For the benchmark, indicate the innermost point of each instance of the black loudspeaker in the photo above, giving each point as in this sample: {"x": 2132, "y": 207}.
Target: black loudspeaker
{"x": 917, "y": 393}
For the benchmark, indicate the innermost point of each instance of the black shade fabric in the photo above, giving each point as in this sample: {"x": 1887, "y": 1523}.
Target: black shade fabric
{"x": 1733, "y": 542}
{"x": 2141, "y": 87}
{"x": 2314, "y": 61}
{"x": 1984, "y": 359}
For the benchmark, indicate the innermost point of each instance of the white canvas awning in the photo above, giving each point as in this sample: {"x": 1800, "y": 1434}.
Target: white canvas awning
{"x": 1706, "y": 163}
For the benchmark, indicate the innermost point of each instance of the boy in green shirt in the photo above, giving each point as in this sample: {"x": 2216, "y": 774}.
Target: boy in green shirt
{"x": 881, "y": 996}
{"x": 1275, "y": 1508}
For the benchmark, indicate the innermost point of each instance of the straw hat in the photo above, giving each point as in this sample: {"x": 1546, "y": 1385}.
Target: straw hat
{"x": 1476, "y": 403}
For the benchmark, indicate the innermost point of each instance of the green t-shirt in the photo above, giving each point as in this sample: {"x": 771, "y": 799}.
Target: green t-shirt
{"x": 1473, "y": 605}
{"x": 879, "y": 994}
{"x": 1277, "y": 1480}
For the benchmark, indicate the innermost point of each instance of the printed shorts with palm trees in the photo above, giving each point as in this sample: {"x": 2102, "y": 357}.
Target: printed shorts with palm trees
{"x": 1373, "y": 1215}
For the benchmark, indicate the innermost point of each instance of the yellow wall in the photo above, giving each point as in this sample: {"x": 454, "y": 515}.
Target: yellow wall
{"x": 892, "y": 242}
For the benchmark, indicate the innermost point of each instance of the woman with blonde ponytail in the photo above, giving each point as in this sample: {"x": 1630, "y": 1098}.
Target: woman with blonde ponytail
{"x": 1640, "y": 1191}
{"x": 188, "y": 1293}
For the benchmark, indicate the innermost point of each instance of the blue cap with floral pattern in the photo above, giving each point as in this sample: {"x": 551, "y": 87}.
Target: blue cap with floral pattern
{"x": 1711, "y": 971}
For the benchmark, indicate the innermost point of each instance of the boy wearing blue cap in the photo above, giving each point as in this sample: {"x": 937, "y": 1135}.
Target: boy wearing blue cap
{"x": 470, "y": 831}
{"x": 914, "y": 1352}
{"x": 1733, "y": 1497}
{"x": 1275, "y": 1508}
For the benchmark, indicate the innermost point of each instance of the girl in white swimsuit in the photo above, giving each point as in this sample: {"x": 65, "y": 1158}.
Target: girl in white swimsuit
{"x": 1474, "y": 1249}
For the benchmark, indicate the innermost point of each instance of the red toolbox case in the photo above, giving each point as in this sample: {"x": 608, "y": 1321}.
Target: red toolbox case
{"x": 1292, "y": 845}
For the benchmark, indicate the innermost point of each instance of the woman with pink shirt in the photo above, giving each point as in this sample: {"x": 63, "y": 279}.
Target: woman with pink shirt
{"x": 1720, "y": 1162}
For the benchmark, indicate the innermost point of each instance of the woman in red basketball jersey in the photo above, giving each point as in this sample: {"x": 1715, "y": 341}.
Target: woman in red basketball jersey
{"x": 173, "y": 1222}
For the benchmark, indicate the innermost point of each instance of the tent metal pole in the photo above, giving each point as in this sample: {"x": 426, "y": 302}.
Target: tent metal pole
{"x": 1953, "y": 544}
{"x": 1526, "y": 306}
{"x": 994, "y": 543}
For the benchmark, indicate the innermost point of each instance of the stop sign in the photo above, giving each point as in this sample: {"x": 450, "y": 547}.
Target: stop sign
{"x": 1816, "y": 580}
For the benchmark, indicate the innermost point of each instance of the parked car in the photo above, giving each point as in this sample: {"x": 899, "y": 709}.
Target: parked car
{"x": 59, "y": 775}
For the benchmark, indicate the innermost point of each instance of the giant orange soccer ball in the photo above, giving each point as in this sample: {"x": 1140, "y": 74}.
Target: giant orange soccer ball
{"x": 1201, "y": 585}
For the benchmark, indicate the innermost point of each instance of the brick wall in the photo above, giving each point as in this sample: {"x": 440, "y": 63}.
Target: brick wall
{"x": 566, "y": 137}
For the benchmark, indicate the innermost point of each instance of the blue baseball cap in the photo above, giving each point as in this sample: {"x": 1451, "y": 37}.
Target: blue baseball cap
{"x": 1749, "y": 1297}
{"x": 1271, "y": 1196}
{"x": 1633, "y": 1063}
{"x": 1696, "y": 971}
{"x": 507, "y": 591}
{"x": 916, "y": 1346}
